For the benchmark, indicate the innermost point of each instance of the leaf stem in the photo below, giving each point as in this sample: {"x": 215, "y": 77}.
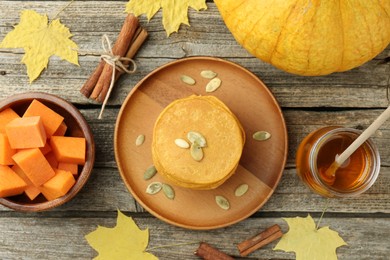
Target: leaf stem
{"x": 62, "y": 9}
{"x": 323, "y": 212}
{"x": 171, "y": 245}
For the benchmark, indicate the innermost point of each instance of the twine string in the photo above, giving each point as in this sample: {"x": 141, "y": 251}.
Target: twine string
{"x": 116, "y": 62}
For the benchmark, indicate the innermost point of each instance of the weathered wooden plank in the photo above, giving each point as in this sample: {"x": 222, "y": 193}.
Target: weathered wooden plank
{"x": 66, "y": 80}
{"x": 105, "y": 191}
{"x": 61, "y": 238}
{"x": 370, "y": 74}
{"x": 365, "y": 86}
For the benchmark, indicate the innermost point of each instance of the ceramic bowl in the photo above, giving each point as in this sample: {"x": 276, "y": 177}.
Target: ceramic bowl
{"x": 77, "y": 127}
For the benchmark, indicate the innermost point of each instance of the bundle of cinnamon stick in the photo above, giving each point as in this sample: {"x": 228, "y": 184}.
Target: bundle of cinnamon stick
{"x": 130, "y": 39}
{"x": 207, "y": 252}
{"x": 264, "y": 238}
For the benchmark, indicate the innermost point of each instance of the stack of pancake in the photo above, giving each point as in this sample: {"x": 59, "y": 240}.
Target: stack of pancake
{"x": 224, "y": 136}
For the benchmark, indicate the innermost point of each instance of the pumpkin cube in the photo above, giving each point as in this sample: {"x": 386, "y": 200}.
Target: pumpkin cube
{"x": 6, "y": 152}
{"x": 10, "y": 183}
{"x": 50, "y": 119}
{"x": 34, "y": 165}
{"x": 6, "y": 116}
{"x": 31, "y": 191}
{"x": 69, "y": 149}
{"x": 59, "y": 185}
{"x": 72, "y": 167}
{"x": 26, "y": 133}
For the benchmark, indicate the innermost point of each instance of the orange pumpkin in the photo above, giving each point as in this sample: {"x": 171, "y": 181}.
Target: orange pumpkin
{"x": 310, "y": 37}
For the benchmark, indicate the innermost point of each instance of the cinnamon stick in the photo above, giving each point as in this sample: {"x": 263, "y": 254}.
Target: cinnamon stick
{"x": 267, "y": 236}
{"x": 138, "y": 39}
{"x": 135, "y": 45}
{"x": 90, "y": 84}
{"x": 262, "y": 243}
{"x": 208, "y": 252}
{"x": 120, "y": 47}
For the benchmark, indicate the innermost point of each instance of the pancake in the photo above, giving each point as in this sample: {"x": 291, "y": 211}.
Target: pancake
{"x": 224, "y": 135}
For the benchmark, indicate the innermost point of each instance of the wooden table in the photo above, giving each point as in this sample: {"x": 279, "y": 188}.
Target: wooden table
{"x": 352, "y": 99}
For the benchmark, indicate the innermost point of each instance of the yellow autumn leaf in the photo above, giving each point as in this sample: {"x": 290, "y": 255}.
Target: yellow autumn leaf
{"x": 124, "y": 241}
{"x": 309, "y": 243}
{"x": 40, "y": 40}
{"x": 174, "y": 12}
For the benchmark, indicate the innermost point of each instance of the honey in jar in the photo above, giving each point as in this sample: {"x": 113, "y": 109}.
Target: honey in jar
{"x": 318, "y": 151}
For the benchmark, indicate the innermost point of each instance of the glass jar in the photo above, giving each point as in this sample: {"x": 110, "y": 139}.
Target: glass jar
{"x": 318, "y": 151}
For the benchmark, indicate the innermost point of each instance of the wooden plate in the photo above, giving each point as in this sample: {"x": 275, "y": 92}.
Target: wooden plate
{"x": 261, "y": 165}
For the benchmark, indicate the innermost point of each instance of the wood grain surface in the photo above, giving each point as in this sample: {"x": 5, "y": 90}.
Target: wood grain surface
{"x": 353, "y": 98}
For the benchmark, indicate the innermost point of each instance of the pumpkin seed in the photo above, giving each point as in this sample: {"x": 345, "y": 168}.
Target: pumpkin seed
{"x": 150, "y": 172}
{"x": 222, "y": 202}
{"x": 196, "y": 152}
{"x": 196, "y": 137}
{"x": 187, "y": 79}
{"x": 241, "y": 190}
{"x": 213, "y": 85}
{"x": 168, "y": 191}
{"x": 261, "y": 135}
{"x": 208, "y": 74}
{"x": 140, "y": 140}
{"x": 154, "y": 187}
{"x": 182, "y": 143}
